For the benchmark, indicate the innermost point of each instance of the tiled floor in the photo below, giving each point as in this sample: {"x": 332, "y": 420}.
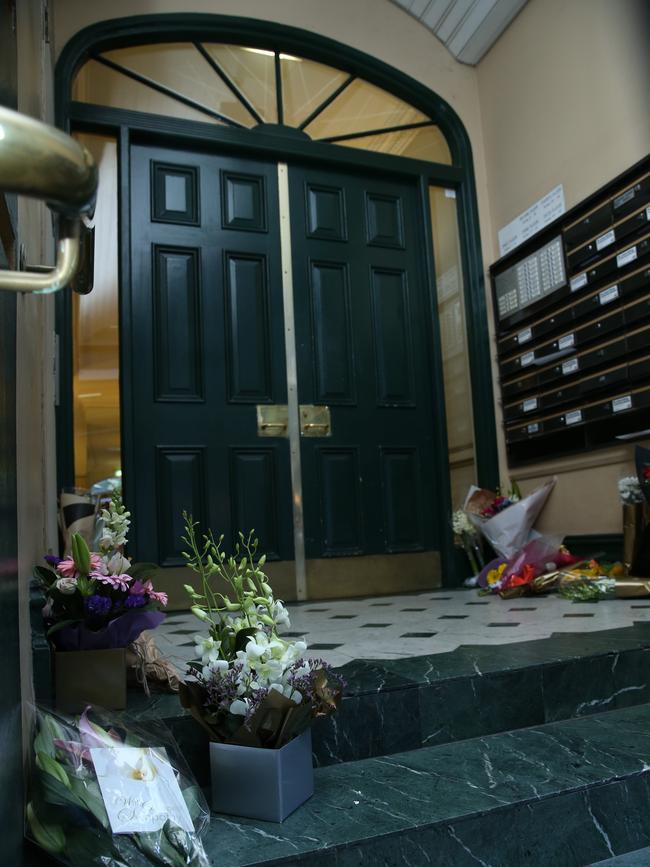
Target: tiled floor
{"x": 417, "y": 624}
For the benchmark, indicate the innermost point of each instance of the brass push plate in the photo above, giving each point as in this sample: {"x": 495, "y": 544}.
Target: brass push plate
{"x": 272, "y": 420}
{"x": 315, "y": 421}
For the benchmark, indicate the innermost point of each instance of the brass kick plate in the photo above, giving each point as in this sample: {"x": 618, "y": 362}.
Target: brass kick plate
{"x": 272, "y": 420}
{"x": 315, "y": 421}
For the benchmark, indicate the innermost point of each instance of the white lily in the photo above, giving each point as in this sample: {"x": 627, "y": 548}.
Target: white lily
{"x": 206, "y": 647}
{"x": 239, "y": 707}
{"x": 118, "y": 564}
{"x": 215, "y": 667}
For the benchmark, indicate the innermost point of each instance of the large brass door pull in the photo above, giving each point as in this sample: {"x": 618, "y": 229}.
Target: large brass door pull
{"x": 315, "y": 421}
{"x": 272, "y": 420}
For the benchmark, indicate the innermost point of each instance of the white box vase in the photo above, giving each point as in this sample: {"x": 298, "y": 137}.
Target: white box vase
{"x": 261, "y": 783}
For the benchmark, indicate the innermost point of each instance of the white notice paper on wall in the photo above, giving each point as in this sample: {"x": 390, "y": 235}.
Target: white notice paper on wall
{"x": 548, "y": 208}
{"x": 139, "y": 789}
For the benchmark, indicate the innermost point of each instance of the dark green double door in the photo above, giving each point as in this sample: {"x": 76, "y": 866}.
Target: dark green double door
{"x": 206, "y": 327}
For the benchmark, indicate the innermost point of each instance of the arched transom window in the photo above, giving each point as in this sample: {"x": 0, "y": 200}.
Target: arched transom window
{"x": 242, "y": 87}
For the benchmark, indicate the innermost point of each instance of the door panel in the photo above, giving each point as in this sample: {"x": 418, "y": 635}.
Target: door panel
{"x": 204, "y": 321}
{"x": 361, "y": 334}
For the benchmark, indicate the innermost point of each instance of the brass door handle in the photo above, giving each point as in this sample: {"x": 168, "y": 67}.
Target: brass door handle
{"x": 272, "y": 420}
{"x": 315, "y": 421}
{"x": 42, "y": 162}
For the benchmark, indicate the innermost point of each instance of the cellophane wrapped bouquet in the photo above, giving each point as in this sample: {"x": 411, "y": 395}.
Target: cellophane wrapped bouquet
{"x": 106, "y": 791}
{"x": 249, "y": 686}
{"x": 99, "y": 600}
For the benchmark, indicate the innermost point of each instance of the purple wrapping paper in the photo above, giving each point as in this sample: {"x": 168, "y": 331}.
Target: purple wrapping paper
{"x": 118, "y": 633}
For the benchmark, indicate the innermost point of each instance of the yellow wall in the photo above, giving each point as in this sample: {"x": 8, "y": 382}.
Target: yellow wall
{"x": 565, "y": 96}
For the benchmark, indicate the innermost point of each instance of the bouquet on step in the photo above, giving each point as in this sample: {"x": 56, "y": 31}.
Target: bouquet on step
{"x": 99, "y": 600}
{"x": 248, "y": 686}
{"x": 108, "y": 792}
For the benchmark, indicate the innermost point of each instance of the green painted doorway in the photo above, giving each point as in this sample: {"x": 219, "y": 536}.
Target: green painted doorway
{"x": 205, "y": 319}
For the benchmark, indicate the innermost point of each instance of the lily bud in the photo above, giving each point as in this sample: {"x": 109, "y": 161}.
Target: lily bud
{"x": 200, "y": 613}
{"x": 50, "y": 837}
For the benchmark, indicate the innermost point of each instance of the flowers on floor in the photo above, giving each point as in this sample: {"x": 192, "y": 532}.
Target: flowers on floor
{"x": 634, "y": 493}
{"x": 506, "y": 522}
{"x": 533, "y": 569}
{"x": 466, "y": 537}
{"x": 248, "y": 686}
{"x": 99, "y": 600}
{"x": 629, "y": 491}
{"x": 68, "y": 816}
{"x": 588, "y": 590}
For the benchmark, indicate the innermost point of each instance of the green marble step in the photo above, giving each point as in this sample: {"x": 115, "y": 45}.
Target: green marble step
{"x": 640, "y": 858}
{"x": 391, "y": 706}
{"x": 565, "y": 794}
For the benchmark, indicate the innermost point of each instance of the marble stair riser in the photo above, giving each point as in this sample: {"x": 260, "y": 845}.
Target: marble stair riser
{"x": 406, "y": 715}
{"x": 566, "y": 794}
{"x": 409, "y": 716}
{"x": 572, "y": 830}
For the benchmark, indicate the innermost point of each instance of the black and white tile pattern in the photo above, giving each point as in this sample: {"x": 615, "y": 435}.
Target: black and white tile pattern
{"x": 418, "y": 624}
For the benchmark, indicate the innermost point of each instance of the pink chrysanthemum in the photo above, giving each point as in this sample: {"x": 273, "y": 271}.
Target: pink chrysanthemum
{"x": 117, "y": 582}
{"x": 156, "y": 595}
{"x": 67, "y": 568}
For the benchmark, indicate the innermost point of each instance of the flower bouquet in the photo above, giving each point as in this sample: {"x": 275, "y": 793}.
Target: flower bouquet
{"x": 103, "y": 796}
{"x": 506, "y": 521}
{"x": 97, "y": 603}
{"x": 635, "y": 497}
{"x": 536, "y": 568}
{"x": 252, "y": 691}
{"x": 466, "y": 537}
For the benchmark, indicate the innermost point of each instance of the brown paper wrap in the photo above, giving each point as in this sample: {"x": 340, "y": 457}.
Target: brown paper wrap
{"x": 277, "y": 720}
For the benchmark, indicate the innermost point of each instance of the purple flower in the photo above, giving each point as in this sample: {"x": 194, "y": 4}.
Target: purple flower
{"x": 134, "y": 601}
{"x": 51, "y": 560}
{"x": 98, "y": 604}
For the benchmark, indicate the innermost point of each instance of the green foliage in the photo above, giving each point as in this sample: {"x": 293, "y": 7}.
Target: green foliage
{"x": 235, "y": 611}
{"x": 49, "y": 836}
{"x": 80, "y": 554}
{"x": 584, "y": 591}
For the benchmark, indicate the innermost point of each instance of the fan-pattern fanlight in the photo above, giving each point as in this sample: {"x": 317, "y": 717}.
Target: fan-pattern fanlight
{"x": 244, "y": 87}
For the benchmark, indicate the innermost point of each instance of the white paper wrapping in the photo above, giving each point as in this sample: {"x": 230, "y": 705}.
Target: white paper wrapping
{"x": 512, "y": 528}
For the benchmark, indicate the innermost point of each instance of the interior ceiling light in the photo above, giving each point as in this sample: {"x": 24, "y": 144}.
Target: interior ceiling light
{"x": 268, "y": 53}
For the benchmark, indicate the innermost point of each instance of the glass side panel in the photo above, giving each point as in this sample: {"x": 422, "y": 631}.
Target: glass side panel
{"x": 427, "y": 143}
{"x": 253, "y": 72}
{"x": 180, "y": 67}
{"x": 305, "y": 85}
{"x": 361, "y": 107}
{"x": 453, "y": 334}
{"x": 95, "y": 336}
{"x": 100, "y": 85}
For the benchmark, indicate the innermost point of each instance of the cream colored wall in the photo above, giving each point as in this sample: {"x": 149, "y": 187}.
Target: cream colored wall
{"x": 564, "y": 98}
{"x": 378, "y": 27}
{"x": 35, "y": 442}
